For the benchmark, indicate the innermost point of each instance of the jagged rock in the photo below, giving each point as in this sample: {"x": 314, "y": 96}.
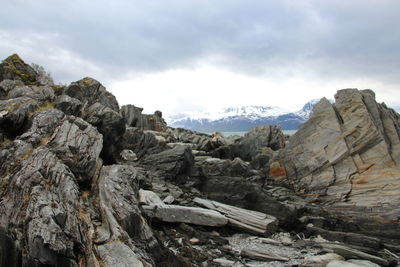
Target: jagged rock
{"x": 192, "y": 215}
{"x": 170, "y": 162}
{"x": 258, "y": 138}
{"x": 89, "y": 91}
{"x": 321, "y": 260}
{"x": 14, "y": 114}
{"x": 42, "y": 93}
{"x": 69, "y": 105}
{"x": 149, "y": 198}
{"x": 14, "y": 68}
{"x": 249, "y": 194}
{"x": 134, "y": 118}
{"x": 247, "y": 220}
{"x": 346, "y": 156}
{"x": 142, "y": 142}
{"x": 110, "y": 124}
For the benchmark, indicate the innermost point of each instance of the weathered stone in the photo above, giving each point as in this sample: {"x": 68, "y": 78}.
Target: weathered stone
{"x": 170, "y": 162}
{"x": 110, "y": 124}
{"x": 248, "y": 220}
{"x": 257, "y": 139}
{"x": 346, "y": 156}
{"x": 321, "y": 260}
{"x": 134, "y": 118}
{"x": 192, "y": 215}
{"x": 351, "y": 263}
{"x": 89, "y": 91}
{"x": 351, "y": 253}
{"x": 149, "y": 198}
{"x": 14, "y": 114}
{"x": 69, "y": 105}
{"x": 14, "y": 68}
{"x": 262, "y": 255}
{"x": 78, "y": 144}
{"x": 118, "y": 254}
{"x": 142, "y": 143}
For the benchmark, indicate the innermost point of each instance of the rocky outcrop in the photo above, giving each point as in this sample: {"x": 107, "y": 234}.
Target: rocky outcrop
{"x": 65, "y": 202}
{"x": 347, "y": 158}
{"x": 14, "y": 68}
{"x": 134, "y": 118}
{"x": 253, "y": 143}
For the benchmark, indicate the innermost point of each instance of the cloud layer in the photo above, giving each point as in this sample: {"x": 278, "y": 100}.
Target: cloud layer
{"x": 333, "y": 40}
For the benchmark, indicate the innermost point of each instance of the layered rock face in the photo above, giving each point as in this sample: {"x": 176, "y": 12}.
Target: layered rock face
{"x": 347, "y": 157}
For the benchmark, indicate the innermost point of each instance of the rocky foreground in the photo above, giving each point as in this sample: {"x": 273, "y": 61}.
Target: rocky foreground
{"x": 87, "y": 183}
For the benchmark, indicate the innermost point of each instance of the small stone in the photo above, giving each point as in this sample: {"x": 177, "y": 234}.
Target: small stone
{"x": 194, "y": 241}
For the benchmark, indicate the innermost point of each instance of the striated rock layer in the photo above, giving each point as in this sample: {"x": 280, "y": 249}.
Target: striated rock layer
{"x": 347, "y": 157}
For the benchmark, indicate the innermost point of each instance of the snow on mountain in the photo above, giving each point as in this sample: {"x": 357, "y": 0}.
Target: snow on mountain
{"x": 242, "y": 118}
{"x": 250, "y": 112}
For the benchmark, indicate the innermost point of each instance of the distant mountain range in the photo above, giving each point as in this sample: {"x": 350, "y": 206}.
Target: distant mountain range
{"x": 235, "y": 119}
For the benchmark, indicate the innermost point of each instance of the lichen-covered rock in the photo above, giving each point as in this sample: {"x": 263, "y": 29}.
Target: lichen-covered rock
{"x": 346, "y": 156}
{"x": 14, "y": 68}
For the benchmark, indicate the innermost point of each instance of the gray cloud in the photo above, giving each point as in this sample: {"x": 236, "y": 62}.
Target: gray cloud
{"x": 335, "y": 38}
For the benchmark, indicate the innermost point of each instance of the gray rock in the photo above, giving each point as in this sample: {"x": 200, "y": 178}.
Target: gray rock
{"x": 192, "y": 215}
{"x": 118, "y": 254}
{"x": 170, "y": 162}
{"x": 346, "y": 156}
{"x": 110, "y": 124}
{"x": 321, "y": 260}
{"x": 14, "y": 114}
{"x": 89, "y": 91}
{"x": 69, "y": 105}
{"x": 142, "y": 143}
{"x": 361, "y": 263}
{"x": 40, "y": 93}
{"x": 351, "y": 253}
{"x": 14, "y": 68}
{"x": 248, "y": 220}
{"x": 134, "y": 118}
{"x": 78, "y": 144}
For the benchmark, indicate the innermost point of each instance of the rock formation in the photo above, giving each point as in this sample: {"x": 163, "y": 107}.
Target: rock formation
{"x": 347, "y": 158}
{"x": 81, "y": 183}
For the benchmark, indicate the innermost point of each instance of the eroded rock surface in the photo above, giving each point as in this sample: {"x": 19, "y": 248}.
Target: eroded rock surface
{"x": 347, "y": 157}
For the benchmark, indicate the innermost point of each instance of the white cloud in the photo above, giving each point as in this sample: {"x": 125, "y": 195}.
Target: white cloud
{"x": 207, "y": 87}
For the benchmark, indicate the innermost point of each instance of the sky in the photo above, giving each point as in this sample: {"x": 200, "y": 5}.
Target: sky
{"x": 194, "y": 55}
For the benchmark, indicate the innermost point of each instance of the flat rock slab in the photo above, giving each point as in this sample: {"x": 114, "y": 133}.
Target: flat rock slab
{"x": 249, "y": 220}
{"x": 351, "y": 253}
{"x": 192, "y": 215}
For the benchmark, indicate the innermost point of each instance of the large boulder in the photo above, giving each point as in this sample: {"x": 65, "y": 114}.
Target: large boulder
{"x": 347, "y": 158}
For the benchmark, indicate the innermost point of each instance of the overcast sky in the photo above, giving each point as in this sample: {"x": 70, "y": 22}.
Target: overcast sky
{"x": 193, "y": 55}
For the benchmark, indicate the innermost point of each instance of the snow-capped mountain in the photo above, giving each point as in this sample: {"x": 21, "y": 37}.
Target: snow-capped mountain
{"x": 242, "y": 118}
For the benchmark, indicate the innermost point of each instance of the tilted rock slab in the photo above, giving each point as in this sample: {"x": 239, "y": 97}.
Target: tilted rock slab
{"x": 347, "y": 157}
{"x": 249, "y": 220}
{"x": 193, "y": 215}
